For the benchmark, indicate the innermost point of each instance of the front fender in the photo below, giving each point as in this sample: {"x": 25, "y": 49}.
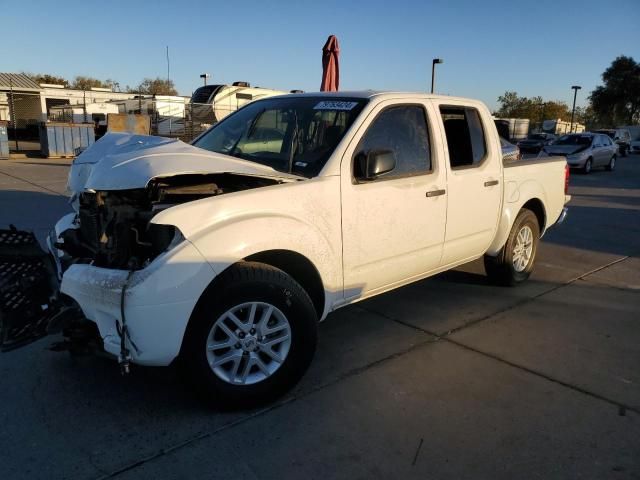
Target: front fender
{"x": 516, "y": 196}
{"x": 302, "y": 217}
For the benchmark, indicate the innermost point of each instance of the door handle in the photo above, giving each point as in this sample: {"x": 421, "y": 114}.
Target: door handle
{"x": 491, "y": 183}
{"x": 436, "y": 193}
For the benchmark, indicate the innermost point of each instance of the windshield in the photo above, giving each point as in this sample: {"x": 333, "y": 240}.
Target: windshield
{"x": 574, "y": 140}
{"x": 290, "y": 134}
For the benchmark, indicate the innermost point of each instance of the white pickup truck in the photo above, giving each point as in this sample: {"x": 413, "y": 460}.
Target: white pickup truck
{"x": 226, "y": 253}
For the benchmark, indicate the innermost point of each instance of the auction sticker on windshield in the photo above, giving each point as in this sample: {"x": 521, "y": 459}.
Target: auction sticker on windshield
{"x": 335, "y": 105}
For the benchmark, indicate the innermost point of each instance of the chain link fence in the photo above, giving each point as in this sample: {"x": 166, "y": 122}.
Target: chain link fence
{"x": 170, "y": 116}
{"x": 176, "y": 118}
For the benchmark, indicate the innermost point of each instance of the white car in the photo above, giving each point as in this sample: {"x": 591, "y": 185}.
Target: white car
{"x": 635, "y": 146}
{"x": 228, "y": 252}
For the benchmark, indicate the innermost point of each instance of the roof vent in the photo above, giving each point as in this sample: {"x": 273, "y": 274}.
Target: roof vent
{"x": 241, "y": 84}
{"x": 296, "y": 91}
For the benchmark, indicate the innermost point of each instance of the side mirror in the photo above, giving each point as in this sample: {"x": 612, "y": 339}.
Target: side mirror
{"x": 373, "y": 164}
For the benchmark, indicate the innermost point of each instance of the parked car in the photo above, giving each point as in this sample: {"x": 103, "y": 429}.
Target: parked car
{"x": 227, "y": 253}
{"x": 535, "y": 142}
{"x": 585, "y": 151}
{"x": 635, "y": 146}
{"x": 620, "y": 136}
{"x": 510, "y": 152}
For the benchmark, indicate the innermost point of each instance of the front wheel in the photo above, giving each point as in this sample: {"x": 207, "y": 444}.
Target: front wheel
{"x": 514, "y": 262}
{"x": 251, "y": 338}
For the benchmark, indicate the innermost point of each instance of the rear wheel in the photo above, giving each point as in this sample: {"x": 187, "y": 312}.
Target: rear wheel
{"x": 251, "y": 338}
{"x": 587, "y": 166}
{"x": 515, "y": 261}
{"x": 612, "y": 164}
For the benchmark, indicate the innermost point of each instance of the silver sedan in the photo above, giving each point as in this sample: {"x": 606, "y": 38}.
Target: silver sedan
{"x": 585, "y": 151}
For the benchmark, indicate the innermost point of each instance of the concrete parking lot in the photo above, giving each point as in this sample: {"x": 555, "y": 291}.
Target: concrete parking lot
{"x": 446, "y": 378}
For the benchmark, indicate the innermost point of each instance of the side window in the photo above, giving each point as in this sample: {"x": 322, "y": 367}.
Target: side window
{"x": 402, "y": 130}
{"x": 465, "y": 136}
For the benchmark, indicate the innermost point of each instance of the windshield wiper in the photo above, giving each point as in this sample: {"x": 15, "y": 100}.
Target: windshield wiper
{"x": 294, "y": 141}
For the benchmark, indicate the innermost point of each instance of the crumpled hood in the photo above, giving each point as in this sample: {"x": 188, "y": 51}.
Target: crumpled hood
{"x": 565, "y": 149}
{"x": 122, "y": 161}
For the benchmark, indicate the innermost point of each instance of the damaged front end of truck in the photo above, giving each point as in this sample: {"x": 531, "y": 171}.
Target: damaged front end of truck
{"x": 109, "y": 246}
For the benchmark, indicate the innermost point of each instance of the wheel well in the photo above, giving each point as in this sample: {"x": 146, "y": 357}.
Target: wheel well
{"x": 536, "y": 206}
{"x": 299, "y": 268}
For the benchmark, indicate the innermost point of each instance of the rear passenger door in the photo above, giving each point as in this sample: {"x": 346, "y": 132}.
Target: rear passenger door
{"x": 474, "y": 181}
{"x": 604, "y": 149}
{"x": 597, "y": 150}
{"x": 610, "y": 149}
{"x": 393, "y": 226}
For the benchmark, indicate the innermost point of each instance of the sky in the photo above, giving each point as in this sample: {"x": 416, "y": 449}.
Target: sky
{"x": 488, "y": 46}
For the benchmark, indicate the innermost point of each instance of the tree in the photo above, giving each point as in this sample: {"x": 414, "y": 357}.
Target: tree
{"x": 618, "y": 100}
{"x": 535, "y": 108}
{"x": 154, "y": 86}
{"x": 87, "y": 83}
{"x": 47, "y": 78}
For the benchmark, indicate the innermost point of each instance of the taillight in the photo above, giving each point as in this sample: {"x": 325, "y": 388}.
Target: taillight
{"x": 566, "y": 178}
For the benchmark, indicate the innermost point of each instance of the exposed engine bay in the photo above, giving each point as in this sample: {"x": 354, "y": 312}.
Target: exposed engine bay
{"x": 114, "y": 226}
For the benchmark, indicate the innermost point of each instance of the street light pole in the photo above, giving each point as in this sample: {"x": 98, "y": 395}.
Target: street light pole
{"x": 433, "y": 71}
{"x": 573, "y": 110}
{"x": 12, "y": 111}
{"x": 542, "y": 106}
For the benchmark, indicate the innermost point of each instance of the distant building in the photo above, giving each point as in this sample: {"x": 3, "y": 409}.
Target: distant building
{"x": 4, "y": 106}
{"x": 32, "y": 102}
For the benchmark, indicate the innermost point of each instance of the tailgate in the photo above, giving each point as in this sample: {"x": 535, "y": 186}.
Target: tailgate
{"x": 28, "y": 289}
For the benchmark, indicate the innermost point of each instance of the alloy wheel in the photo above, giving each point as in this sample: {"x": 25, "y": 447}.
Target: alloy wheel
{"x": 248, "y": 343}
{"x": 523, "y": 250}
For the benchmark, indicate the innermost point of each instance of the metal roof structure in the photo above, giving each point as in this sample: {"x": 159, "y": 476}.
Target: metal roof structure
{"x": 18, "y": 81}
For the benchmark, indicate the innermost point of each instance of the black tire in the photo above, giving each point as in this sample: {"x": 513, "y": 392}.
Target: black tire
{"x": 612, "y": 164}
{"x": 588, "y": 166}
{"x": 623, "y": 151}
{"x": 239, "y": 284}
{"x": 500, "y": 269}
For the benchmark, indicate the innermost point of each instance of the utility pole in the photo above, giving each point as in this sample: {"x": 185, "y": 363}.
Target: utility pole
{"x": 573, "y": 110}
{"x": 542, "y": 107}
{"x": 168, "y": 66}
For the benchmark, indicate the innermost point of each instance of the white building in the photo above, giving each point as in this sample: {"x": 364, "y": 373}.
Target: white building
{"x": 32, "y": 102}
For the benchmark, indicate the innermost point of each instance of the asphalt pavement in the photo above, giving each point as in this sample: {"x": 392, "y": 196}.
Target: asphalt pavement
{"x": 447, "y": 378}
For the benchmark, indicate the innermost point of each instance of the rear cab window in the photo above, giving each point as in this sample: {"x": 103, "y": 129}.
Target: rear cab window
{"x": 465, "y": 135}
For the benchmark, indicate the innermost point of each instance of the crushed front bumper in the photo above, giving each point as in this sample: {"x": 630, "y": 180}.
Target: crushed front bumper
{"x": 158, "y": 302}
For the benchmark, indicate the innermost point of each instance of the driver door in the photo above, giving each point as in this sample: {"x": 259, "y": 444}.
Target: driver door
{"x": 393, "y": 225}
